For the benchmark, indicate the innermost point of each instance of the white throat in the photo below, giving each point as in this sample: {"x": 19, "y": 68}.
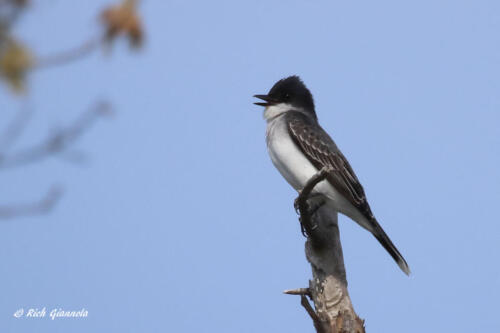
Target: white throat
{"x": 274, "y": 111}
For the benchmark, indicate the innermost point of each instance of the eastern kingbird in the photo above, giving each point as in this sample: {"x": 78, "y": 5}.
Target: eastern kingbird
{"x": 299, "y": 148}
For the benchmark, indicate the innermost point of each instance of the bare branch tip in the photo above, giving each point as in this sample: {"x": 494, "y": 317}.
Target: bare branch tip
{"x": 298, "y": 291}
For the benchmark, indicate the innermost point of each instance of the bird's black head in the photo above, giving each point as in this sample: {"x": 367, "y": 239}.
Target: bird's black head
{"x": 290, "y": 90}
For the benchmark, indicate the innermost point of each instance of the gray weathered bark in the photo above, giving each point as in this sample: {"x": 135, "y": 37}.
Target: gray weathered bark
{"x": 333, "y": 312}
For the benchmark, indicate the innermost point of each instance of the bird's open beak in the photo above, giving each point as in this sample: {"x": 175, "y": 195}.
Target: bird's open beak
{"x": 269, "y": 101}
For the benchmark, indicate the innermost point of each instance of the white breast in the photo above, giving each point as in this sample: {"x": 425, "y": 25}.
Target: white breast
{"x": 297, "y": 169}
{"x": 286, "y": 157}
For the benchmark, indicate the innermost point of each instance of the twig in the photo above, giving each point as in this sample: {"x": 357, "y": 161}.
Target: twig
{"x": 15, "y": 129}
{"x": 68, "y": 56}
{"x": 56, "y": 142}
{"x": 298, "y": 291}
{"x": 316, "y": 320}
{"x": 303, "y": 292}
{"x": 9, "y": 14}
{"x": 44, "y": 205}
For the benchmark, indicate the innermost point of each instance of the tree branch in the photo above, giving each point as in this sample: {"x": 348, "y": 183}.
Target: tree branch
{"x": 68, "y": 56}
{"x": 334, "y": 312}
{"x": 15, "y": 129}
{"x": 42, "y": 206}
{"x": 9, "y": 14}
{"x": 56, "y": 142}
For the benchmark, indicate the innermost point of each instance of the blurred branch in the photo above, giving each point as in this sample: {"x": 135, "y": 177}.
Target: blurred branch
{"x": 56, "y": 142}
{"x": 120, "y": 20}
{"x": 43, "y": 206}
{"x": 10, "y": 11}
{"x": 15, "y": 129}
{"x": 17, "y": 61}
{"x": 68, "y": 56}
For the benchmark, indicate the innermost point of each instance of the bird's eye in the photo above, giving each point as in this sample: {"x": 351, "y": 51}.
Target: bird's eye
{"x": 287, "y": 96}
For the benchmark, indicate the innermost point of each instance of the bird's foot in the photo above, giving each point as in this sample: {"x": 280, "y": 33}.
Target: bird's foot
{"x": 296, "y": 205}
{"x": 312, "y": 207}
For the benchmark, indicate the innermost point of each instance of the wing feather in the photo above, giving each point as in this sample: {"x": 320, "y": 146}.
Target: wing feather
{"x": 320, "y": 149}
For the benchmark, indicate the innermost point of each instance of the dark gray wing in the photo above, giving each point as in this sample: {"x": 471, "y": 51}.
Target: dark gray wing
{"x": 320, "y": 149}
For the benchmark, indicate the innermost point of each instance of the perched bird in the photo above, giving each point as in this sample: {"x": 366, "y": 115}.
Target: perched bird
{"x": 299, "y": 148}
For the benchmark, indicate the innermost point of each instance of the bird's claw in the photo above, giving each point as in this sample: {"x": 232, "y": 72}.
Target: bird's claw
{"x": 316, "y": 205}
{"x": 311, "y": 209}
{"x": 296, "y": 205}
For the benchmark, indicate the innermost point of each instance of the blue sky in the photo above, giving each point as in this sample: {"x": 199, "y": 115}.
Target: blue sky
{"x": 179, "y": 222}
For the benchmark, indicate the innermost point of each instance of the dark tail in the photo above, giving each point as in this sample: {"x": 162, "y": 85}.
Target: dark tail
{"x": 382, "y": 237}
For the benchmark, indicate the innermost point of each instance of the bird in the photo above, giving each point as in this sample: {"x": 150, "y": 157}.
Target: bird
{"x": 299, "y": 147}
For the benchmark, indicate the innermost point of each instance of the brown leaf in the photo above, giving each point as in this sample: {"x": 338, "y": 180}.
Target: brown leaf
{"x": 15, "y": 61}
{"x": 122, "y": 19}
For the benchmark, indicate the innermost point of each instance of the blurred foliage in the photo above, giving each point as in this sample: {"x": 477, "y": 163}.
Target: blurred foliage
{"x": 17, "y": 60}
{"x": 122, "y": 19}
